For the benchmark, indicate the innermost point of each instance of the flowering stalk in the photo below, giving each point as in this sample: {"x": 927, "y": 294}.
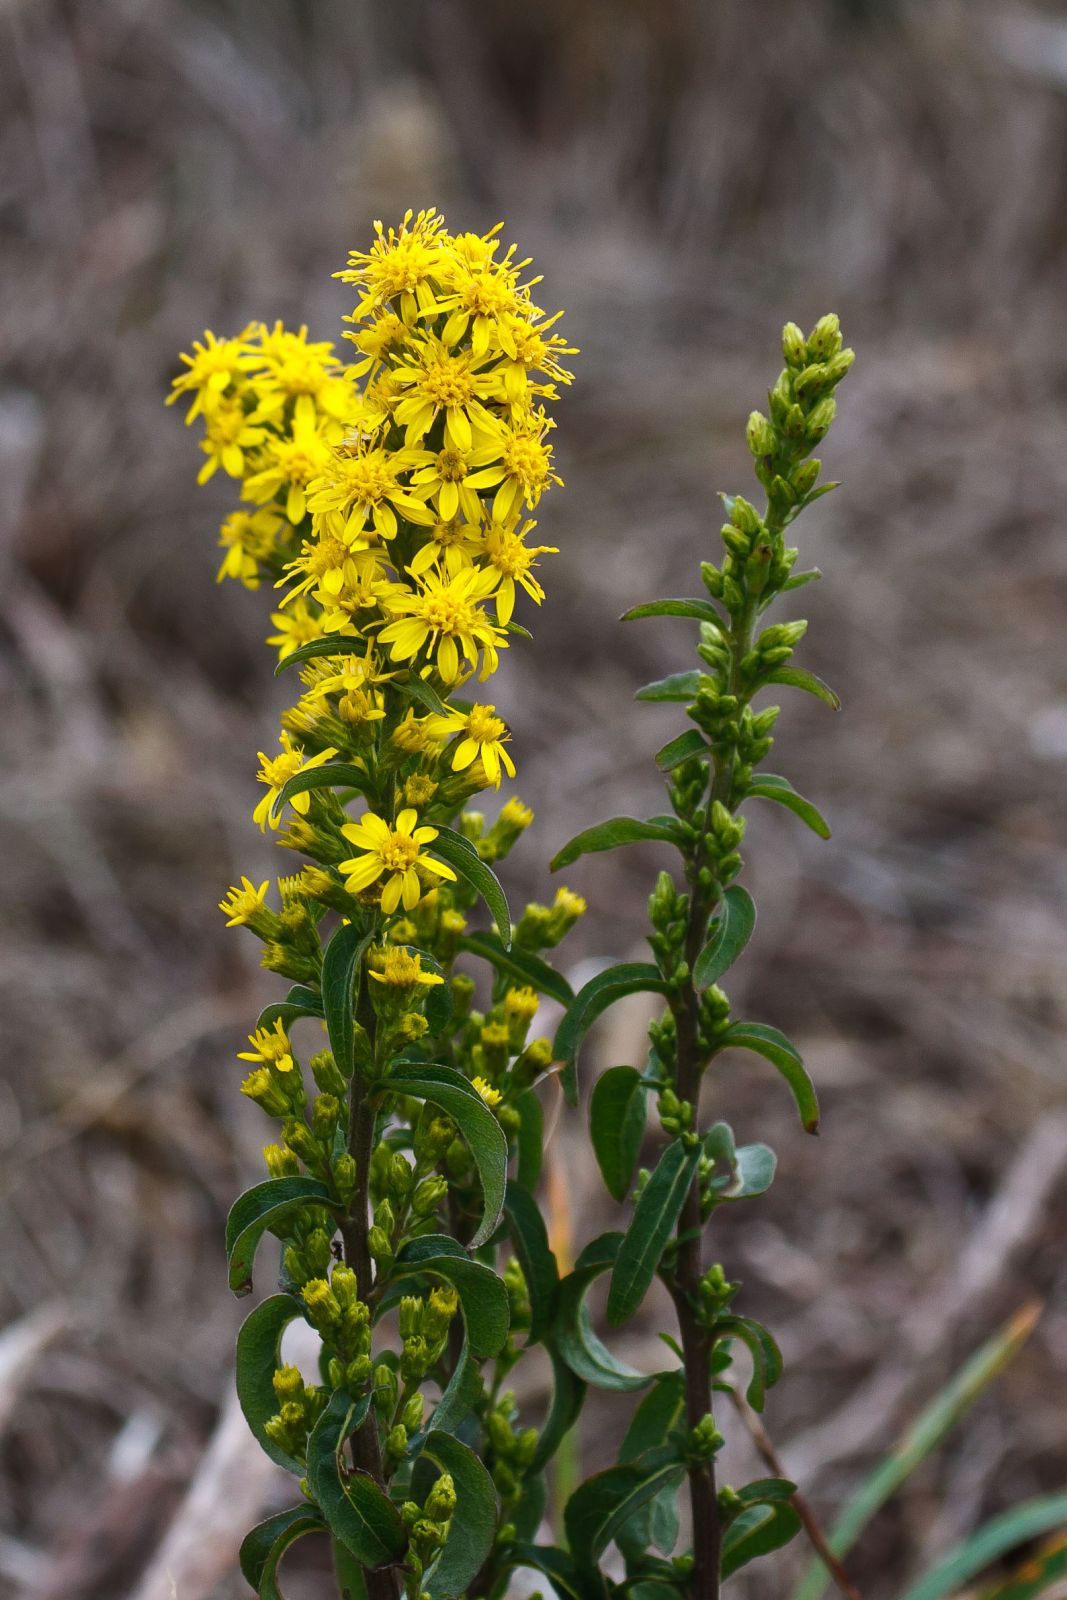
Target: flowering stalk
{"x": 698, "y": 931}
{"x": 387, "y": 499}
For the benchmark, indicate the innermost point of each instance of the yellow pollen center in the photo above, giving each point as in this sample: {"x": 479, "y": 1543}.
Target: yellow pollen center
{"x": 447, "y": 382}
{"x": 484, "y": 727}
{"x": 451, "y": 467}
{"x": 327, "y": 554}
{"x": 447, "y": 614}
{"x": 399, "y": 852}
{"x": 526, "y": 459}
{"x": 282, "y": 768}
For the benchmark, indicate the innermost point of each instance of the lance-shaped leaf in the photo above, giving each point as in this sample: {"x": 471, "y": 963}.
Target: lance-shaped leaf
{"x": 591, "y": 1001}
{"x": 338, "y": 644}
{"x": 728, "y": 936}
{"x": 358, "y": 1512}
{"x": 683, "y": 748}
{"x": 568, "y": 1580}
{"x": 299, "y": 1002}
{"x": 263, "y": 1547}
{"x": 473, "y": 1528}
{"x": 261, "y": 1210}
{"x": 334, "y": 775}
{"x": 655, "y": 1215}
{"x": 522, "y": 964}
{"x": 482, "y": 1295}
{"x": 604, "y": 1504}
{"x": 661, "y": 1411}
{"x": 461, "y": 1393}
{"x": 464, "y": 858}
{"x": 774, "y": 1047}
{"x": 800, "y": 678}
{"x": 617, "y": 1125}
{"x": 677, "y": 687}
{"x": 568, "y": 1395}
{"x": 757, "y": 1530}
{"x": 422, "y": 693}
{"x": 766, "y": 1356}
{"x": 258, "y": 1347}
{"x": 341, "y": 976}
{"x": 526, "y": 1228}
{"x": 586, "y": 1355}
{"x": 996, "y": 1538}
{"x": 613, "y": 833}
{"x": 530, "y": 1140}
{"x": 768, "y": 786}
{"x": 702, "y": 610}
{"x": 449, "y": 1089}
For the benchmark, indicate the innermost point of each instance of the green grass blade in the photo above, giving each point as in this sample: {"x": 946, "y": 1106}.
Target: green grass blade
{"x": 1000, "y": 1534}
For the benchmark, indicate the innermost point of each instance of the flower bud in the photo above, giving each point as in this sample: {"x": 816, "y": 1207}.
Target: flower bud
{"x": 794, "y": 345}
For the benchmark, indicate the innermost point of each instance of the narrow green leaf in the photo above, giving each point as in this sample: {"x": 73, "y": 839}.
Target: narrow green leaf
{"x": 449, "y": 1089}
{"x": 591, "y": 1001}
{"x": 683, "y": 748}
{"x": 473, "y": 1529}
{"x": 334, "y": 775}
{"x": 703, "y": 610}
{"x": 799, "y": 579}
{"x": 585, "y": 1354}
{"x": 482, "y": 1295}
{"x": 461, "y": 854}
{"x": 766, "y": 1356}
{"x": 340, "y": 979}
{"x": 263, "y": 1547}
{"x": 1036, "y": 1575}
{"x": 260, "y": 1210}
{"x": 422, "y": 693}
{"x": 776, "y": 1048}
{"x": 460, "y": 1394}
{"x": 568, "y": 1395}
{"x": 677, "y": 687}
{"x": 530, "y": 1140}
{"x": 613, "y": 833}
{"x": 660, "y": 1410}
{"x": 994, "y": 1539}
{"x": 358, "y": 1512}
{"x": 768, "y": 786}
{"x": 605, "y": 1502}
{"x": 617, "y": 1125}
{"x": 756, "y": 1532}
{"x": 299, "y": 1002}
{"x": 920, "y": 1438}
{"x": 526, "y": 1228}
{"x": 655, "y": 1215}
{"x": 568, "y": 1580}
{"x": 258, "y": 1346}
{"x": 351, "y": 1581}
{"x": 800, "y": 678}
{"x": 728, "y": 936}
{"x": 338, "y": 644}
{"x": 522, "y": 964}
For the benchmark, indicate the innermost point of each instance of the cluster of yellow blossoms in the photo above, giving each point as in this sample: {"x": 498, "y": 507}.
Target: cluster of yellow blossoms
{"x": 388, "y": 497}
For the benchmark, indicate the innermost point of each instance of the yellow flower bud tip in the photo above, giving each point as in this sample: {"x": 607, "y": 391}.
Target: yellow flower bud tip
{"x": 419, "y": 790}
{"x": 400, "y": 969}
{"x": 242, "y": 904}
{"x": 453, "y": 922}
{"x": 271, "y": 1047}
{"x": 521, "y": 1004}
{"x": 572, "y": 905}
{"x": 515, "y": 815}
{"x": 495, "y": 1036}
{"x": 491, "y": 1096}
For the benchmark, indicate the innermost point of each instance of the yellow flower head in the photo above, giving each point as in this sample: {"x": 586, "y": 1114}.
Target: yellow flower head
{"x": 214, "y": 366}
{"x": 270, "y": 1047}
{"x": 483, "y": 736}
{"x": 401, "y": 969}
{"x": 514, "y": 561}
{"x": 491, "y": 1096}
{"x": 393, "y": 853}
{"x": 299, "y": 625}
{"x": 445, "y": 617}
{"x": 275, "y": 772}
{"x": 240, "y": 905}
{"x": 248, "y": 537}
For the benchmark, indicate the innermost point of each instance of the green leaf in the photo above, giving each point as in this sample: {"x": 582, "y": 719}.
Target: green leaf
{"x": 526, "y": 1228}
{"x": 1035, "y": 1576}
{"x": 751, "y": 1167}
{"x": 799, "y": 579}
{"x": 604, "y": 1504}
{"x": 611, "y": 834}
{"x": 530, "y": 1139}
{"x": 766, "y": 1356}
{"x": 521, "y": 964}
{"x": 340, "y": 980}
{"x": 585, "y": 1354}
{"x": 263, "y": 1547}
{"x": 351, "y": 1580}
{"x": 568, "y": 1580}
{"x": 568, "y": 1395}
{"x": 299, "y": 1002}
{"x": 449, "y": 1089}
{"x": 655, "y": 1215}
{"x": 703, "y": 610}
{"x": 776, "y": 1048}
{"x": 921, "y": 1437}
{"x": 260, "y": 1210}
{"x": 334, "y": 775}
{"x": 461, "y": 854}
{"x": 591, "y": 1001}
{"x": 461, "y": 1393}
{"x": 339, "y": 644}
{"x": 660, "y": 1410}
{"x": 358, "y": 1512}
{"x": 258, "y": 1346}
{"x": 422, "y": 693}
{"x": 729, "y": 934}
{"x": 482, "y": 1295}
{"x": 768, "y": 786}
{"x": 473, "y": 1529}
{"x": 683, "y": 748}
{"x": 800, "y": 678}
{"x": 994, "y": 1539}
{"x": 617, "y": 1125}
{"x": 757, "y": 1531}
{"x": 676, "y": 687}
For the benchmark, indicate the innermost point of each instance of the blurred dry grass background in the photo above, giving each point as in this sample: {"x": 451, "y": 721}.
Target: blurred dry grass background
{"x": 687, "y": 175}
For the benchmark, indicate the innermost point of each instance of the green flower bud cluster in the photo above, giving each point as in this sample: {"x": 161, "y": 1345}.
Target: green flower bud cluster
{"x": 714, "y": 1293}
{"x": 424, "y": 1325}
{"x": 676, "y": 1116}
{"x": 428, "y": 1525}
{"x": 511, "y": 1450}
{"x": 343, "y": 1320}
{"x": 702, "y": 1442}
{"x": 299, "y": 1408}
{"x": 542, "y": 927}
